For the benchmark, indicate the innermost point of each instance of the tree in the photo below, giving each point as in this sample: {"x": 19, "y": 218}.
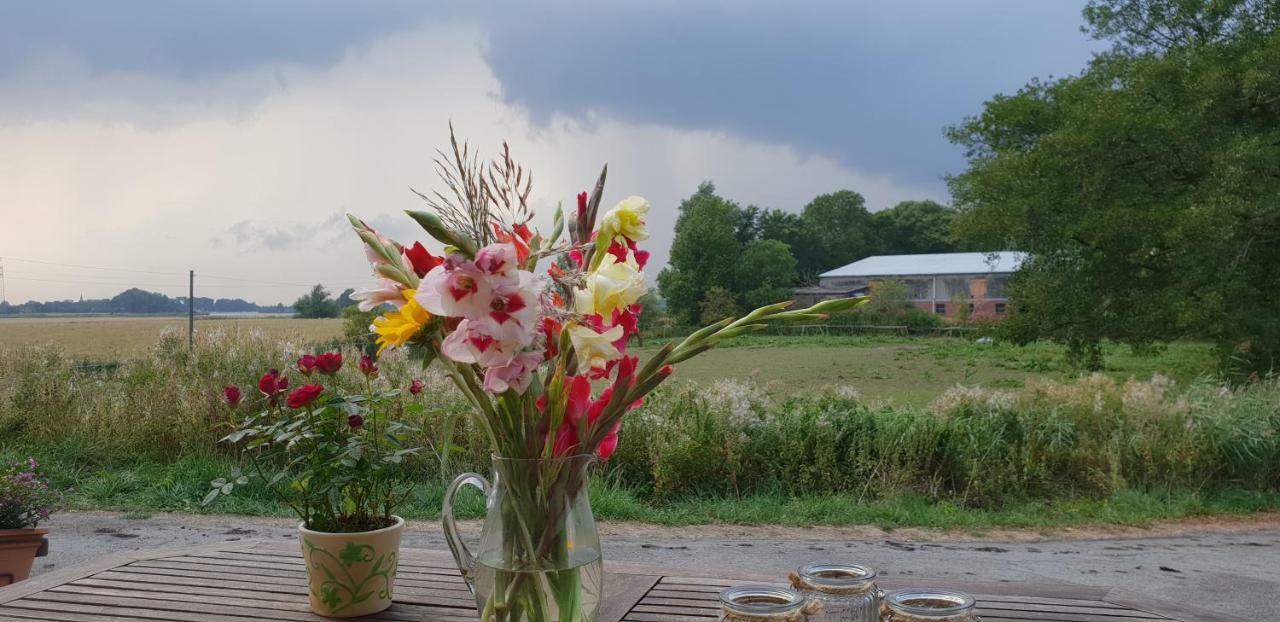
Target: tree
{"x": 766, "y": 271}
{"x": 888, "y": 299}
{"x": 718, "y": 304}
{"x": 345, "y": 300}
{"x": 915, "y": 227}
{"x": 316, "y": 304}
{"x": 838, "y": 231}
{"x": 704, "y": 253}
{"x": 1145, "y": 189}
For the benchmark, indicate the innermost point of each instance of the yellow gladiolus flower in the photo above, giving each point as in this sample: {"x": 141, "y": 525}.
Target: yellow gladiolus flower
{"x": 396, "y": 328}
{"x": 626, "y": 219}
{"x": 594, "y": 350}
{"x": 611, "y": 286}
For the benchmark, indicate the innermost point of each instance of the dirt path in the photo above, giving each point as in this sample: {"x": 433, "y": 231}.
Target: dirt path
{"x": 1232, "y": 564}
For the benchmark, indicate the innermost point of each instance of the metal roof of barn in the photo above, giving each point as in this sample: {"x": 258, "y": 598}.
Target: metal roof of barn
{"x": 932, "y": 263}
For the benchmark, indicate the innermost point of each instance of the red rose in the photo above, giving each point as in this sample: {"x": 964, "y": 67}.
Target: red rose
{"x": 304, "y": 395}
{"x": 231, "y": 395}
{"x": 415, "y": 387}
{"x": 368, "y": 367}
{"x": 355, "y": 421}
{"x": 272, "y": 382}
{"x": 423, "y": 261}
{"x": 306, "y": 364}
{"x": 329, "y": 363}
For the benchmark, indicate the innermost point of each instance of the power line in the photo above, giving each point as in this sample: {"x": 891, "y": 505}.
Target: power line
{"x": 72, "y": 265}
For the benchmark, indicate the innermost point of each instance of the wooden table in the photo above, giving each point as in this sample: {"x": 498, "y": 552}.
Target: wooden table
{"x": 252, "y": 582}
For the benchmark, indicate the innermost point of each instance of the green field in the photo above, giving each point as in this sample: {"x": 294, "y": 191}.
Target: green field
{"x": 899, "y": 370}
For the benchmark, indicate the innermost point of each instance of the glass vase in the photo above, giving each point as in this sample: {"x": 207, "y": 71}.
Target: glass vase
{"x": 538, "y": 559}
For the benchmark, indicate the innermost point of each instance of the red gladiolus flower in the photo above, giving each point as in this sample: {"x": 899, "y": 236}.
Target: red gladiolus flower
{"x": 329, "y": 363}
{"x": 519, "y": 239}
{"x": 306, "y": 364}
{"x": 551, "y": 330}
{"x": 231, "y": 395}
{"x": 368, "y": 367}
{"x": 305, "y": 395}
{"x": 415, "y": 387}
{"x": 272, "y": 382}
{"x": 422, "y": 259}
{"x": 355, "y": 421}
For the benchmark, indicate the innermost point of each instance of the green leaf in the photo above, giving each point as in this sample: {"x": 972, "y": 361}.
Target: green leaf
{"x": 209, "y": 498}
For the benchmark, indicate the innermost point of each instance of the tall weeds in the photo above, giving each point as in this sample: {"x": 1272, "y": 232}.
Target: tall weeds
{"x": 1092, "y": 436}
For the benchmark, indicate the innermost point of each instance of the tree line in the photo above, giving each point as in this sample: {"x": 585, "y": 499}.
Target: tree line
{"x": 1146, "y": 189}
{"x": 726, "y": 257}
{"x": 139, "y": 301}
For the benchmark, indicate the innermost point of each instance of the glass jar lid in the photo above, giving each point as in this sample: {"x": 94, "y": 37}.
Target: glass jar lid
{"x": 749, "y": 603}
{"x": 933, "y": 605}
{"x": 836, "y": 579}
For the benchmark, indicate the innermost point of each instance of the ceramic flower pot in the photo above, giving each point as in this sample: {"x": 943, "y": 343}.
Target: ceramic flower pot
{"x": 18, "y": 548}
{"x": 351, "y": 574}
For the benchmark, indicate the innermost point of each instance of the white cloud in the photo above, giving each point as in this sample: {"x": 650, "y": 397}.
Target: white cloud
{"x": 237, "y": 176}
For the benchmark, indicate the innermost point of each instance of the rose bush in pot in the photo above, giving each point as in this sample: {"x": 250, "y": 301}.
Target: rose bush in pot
{"x": 338, "y": 460}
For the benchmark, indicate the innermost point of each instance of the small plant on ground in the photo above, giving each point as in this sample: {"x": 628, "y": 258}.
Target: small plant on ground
{"x": 337, "y": 459}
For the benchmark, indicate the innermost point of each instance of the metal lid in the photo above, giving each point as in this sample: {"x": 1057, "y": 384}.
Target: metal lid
{"x": 931, "y": 604}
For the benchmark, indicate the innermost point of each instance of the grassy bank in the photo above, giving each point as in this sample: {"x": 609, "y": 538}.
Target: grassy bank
{"x": 142, "y": 434}
{"x": 93, "y": 484}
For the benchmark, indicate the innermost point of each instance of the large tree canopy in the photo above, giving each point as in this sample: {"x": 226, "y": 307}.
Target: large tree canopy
{"x": 915, "y": 227}
{"x": 1147, "y": 188}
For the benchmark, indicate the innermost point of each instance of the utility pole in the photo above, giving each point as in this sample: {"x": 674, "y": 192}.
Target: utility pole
{"x": 191, "y": 309}
{"x": 2, "y": 298}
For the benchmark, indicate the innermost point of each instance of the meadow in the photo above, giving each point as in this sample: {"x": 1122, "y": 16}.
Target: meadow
{"x": 937, "y": 432}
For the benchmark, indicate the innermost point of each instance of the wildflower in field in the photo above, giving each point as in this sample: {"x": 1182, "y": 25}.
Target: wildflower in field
{"x": 396, "y": 328}
{"x": 231, "y": 394}
{"x": 415, "y": 387}
{"x": 306, "y": 364}
{"x": 329, "y": 363}
{"x": 368, "y": 367}
{"x": 305, "y": 395}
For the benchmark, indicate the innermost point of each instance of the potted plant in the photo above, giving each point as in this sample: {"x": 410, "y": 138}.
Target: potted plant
{"x": 338, "y": 460}
{"x": 541, "y": 354}
{"x": 25, "y": 501}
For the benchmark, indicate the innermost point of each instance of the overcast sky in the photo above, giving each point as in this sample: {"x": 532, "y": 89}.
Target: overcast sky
{"x": 230, "y": 137}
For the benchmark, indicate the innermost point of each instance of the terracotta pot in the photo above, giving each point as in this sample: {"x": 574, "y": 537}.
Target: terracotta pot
{"x": 18, "y": 548}
{"x": 351, "y": 574}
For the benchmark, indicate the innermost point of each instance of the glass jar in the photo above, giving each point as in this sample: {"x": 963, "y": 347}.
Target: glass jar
{"x": 848, "y": 593}
{"x": 928, "y": 606}
{"x": 766, "y": 603}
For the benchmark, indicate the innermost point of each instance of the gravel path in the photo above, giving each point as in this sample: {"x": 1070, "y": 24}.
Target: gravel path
{"x": 1233, "y": 566}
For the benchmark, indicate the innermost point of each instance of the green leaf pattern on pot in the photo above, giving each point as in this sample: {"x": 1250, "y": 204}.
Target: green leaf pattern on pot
{"x": 349, "y": 587}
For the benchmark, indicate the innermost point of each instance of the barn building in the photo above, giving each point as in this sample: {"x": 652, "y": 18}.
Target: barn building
{"x": 936, "y": 280}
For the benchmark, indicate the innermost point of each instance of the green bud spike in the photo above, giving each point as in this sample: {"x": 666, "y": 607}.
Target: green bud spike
{"x": 437, "y": 229}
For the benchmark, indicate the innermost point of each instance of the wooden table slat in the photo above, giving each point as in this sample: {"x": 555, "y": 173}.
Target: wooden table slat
{"x": 255, "y": 582}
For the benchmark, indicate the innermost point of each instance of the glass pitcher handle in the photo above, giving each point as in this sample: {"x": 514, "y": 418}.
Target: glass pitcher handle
{"x": 461, "y": 555}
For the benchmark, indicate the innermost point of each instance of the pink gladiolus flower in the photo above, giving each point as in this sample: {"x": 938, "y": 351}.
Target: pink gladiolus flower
{"x": 497, "y": 260}
{"x": 515, "y": 375}
{"x": 455, "y": 289}
{"x": 486, "y": 342}
{"x": 386, "y": 291}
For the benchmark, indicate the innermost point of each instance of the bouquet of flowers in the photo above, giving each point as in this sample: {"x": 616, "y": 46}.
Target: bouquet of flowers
{"x": 541, "y": 353}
